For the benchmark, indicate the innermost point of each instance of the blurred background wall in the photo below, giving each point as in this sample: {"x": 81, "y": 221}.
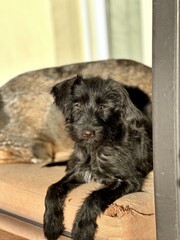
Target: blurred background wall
{"x": 44, "y": 33}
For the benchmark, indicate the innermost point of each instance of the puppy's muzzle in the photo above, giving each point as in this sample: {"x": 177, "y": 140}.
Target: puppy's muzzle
{"x": 88, "y": 134}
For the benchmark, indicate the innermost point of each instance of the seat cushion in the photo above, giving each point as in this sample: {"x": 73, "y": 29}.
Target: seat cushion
{"x": 22, "y": 192}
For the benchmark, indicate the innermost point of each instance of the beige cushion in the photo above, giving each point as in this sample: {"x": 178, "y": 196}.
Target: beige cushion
{"x": 23, "y": 188}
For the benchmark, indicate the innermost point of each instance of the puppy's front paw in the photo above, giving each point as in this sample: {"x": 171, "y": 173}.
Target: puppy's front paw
{"x": 53, "y": 224}
{"x": 83, "y": 232}
{"x": 52, "y": 227}
{"x": 84, "y": 227}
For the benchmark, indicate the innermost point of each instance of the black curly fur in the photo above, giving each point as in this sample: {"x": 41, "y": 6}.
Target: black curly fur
{"x": 113, "y": 146}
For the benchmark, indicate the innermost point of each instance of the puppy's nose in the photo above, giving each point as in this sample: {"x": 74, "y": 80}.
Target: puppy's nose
{"x": 87, "y": 134}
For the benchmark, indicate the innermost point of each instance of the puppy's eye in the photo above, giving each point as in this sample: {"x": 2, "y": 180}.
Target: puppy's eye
{"x": 77, "y": 105}
{"x": 103, "y": 107}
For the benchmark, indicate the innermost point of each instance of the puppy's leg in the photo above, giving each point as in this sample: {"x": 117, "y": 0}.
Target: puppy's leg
{"x": 54, "y": 205}
{"x": 85, "y": 226}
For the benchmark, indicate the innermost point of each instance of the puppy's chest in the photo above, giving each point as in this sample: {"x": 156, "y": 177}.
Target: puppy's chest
{"x": 96, "y": 168}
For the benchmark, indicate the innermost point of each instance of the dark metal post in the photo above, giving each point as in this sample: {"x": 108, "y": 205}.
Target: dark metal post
{"x": 166, "y": 101}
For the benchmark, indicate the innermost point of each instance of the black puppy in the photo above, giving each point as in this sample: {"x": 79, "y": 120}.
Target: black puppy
{"x": 113, "y": 146}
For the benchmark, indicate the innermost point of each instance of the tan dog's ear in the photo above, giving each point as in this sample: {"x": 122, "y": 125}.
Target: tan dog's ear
{"x": 62, "y": 93}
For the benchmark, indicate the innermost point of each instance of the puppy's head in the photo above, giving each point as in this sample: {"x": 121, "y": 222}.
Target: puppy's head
{"x": 95, "y": 110}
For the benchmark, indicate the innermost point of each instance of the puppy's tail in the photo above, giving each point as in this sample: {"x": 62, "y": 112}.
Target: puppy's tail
{"x": 54, "y": 164}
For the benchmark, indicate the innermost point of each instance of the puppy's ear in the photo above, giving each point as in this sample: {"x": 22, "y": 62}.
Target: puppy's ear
{"x": 62, "y": 93}
{"x": 128, "y": 110}
{"x": 132, "y": 114}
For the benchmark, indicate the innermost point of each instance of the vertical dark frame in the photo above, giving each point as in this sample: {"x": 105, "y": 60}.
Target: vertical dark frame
{"x": 166, "y": 101}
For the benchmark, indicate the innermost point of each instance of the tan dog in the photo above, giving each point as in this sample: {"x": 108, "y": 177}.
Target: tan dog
{"x": 31, "y": 129}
